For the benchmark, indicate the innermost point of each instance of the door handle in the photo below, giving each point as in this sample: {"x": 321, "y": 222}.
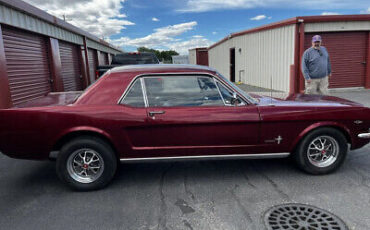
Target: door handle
{"x": 364, "y": 62}
{"x": 153, "y": 113}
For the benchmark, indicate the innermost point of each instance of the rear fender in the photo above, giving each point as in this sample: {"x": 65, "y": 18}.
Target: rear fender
{"x": 70, "y": 133}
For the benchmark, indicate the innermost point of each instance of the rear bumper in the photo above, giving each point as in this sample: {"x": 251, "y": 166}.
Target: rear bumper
{"x": 364, "y": 135}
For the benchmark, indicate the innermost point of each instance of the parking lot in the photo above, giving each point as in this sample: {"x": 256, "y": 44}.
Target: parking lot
{"x": 232, "y": 194}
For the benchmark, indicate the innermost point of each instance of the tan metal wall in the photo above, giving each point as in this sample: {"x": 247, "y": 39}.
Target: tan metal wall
{"x": 193, "y": 57}
{"x": 219, "y": 58}
{"x": 259, "y": 57}
{"x": 337, "y": 26}
{"x": 100, "y": 47}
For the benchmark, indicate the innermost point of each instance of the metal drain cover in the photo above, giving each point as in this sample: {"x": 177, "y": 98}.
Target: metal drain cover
{"x": 302, "y": 217}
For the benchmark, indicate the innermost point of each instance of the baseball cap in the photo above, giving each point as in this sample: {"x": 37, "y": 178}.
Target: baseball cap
{"x": 316, "y": 38}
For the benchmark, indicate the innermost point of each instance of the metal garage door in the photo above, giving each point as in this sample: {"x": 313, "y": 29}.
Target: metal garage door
{"x": 27, "y": 65}
{"x": 347, "y": 52}
{"x": 93, "y": 62}
{"x": 103, "y": 58}
{"x": 71, "y": 72}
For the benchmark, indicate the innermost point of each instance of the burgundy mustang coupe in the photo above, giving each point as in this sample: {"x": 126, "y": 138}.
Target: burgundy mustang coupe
{"x": 156, "y": 112}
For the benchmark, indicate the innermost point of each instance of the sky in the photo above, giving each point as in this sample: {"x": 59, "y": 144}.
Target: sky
{"x": 181, "y": 25}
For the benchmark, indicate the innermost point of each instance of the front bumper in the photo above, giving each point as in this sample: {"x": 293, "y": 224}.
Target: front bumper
{"x": 364, "y": 135}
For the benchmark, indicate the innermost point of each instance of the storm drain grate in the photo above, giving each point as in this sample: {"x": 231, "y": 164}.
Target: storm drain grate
{"x": 302, "y": 217}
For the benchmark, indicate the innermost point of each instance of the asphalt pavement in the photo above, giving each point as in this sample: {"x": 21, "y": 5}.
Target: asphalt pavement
{"x": 231, "y": 194}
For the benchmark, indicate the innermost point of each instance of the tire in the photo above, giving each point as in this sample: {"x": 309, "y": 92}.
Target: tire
{"x": 86, "y": 163}
{"x": 313, "y": 159}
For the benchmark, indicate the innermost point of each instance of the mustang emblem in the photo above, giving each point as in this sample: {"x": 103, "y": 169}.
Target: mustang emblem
{"x": 279, "y": 139}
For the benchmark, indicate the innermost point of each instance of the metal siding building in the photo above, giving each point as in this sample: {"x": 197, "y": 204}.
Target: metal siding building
{"x": 40, "y": 53}
{"x": 198, "y": 56}
{"x": 270, "y": 56}
{"x": 192, "y": 57}
{"x": 180, "y": 59}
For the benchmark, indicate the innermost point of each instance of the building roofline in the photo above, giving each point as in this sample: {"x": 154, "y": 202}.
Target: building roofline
{"x": 295, "y": 20}
{"x": 200, "y": 48}
{"x": 43, "y": 15}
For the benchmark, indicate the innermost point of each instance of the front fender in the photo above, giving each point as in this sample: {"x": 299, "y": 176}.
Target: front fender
{"x": 320, "y": 124}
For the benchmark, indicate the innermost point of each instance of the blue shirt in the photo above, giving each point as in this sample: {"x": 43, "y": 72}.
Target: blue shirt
{"x": 316, "y": 63}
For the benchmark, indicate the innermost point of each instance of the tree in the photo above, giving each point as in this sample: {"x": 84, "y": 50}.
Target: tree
{"x": 164, "y": 56}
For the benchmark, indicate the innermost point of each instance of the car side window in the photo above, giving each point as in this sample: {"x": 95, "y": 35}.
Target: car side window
{"x": 134, "y": 96}
{"x": 227, "y": 95}
{"x": 182, "y": 91}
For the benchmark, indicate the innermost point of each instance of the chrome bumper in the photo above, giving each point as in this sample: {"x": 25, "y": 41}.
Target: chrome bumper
{"x": 364, "y": 135}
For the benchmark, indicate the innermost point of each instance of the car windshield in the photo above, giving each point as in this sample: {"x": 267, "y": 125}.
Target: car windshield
{"x": 242, "y": 92}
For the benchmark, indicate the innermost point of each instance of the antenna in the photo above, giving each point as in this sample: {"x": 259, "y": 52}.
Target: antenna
{"x": 271, "y": 91}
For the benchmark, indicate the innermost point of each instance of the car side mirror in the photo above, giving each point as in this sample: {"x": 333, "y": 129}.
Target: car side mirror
{"x": 234, "y": 99}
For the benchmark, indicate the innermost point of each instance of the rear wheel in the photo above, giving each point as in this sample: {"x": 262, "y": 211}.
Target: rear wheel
{"x": 86, "y": 163}
{"x": 322, "y": 151}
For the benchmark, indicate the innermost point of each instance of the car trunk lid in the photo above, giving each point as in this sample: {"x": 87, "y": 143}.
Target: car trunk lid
{"x": 52, "y": 99}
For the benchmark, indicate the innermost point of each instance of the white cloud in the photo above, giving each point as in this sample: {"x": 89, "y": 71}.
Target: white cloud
{"x": 330, "y": 13}
{"x": 154, "y": 19}
{"x": 184, "y": 46}
{"x": 101, "y": 18}
{"x": 214, "y": 32}
{"x": 210, "y": 5}
{"x": 122, "y": 16}
{"x": 269, "y": 17}
{"x": 166, "y": 38}
{"x": 366, "y": 11}
{"x": 259, "y": 17}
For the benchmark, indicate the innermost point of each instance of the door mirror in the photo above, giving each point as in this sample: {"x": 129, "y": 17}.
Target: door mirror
{"x": 234, "y": 99}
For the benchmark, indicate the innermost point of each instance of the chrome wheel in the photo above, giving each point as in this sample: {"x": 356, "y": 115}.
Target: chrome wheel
{"x": 323, "y": 151}
{"x": 85, "y": 165}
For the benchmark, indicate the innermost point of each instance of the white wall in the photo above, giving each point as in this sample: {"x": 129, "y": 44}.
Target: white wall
{"x": 337, "y": 26}
{"x": 180, "y": 59}
{"x": 264, "y": 55}
{"x": 193, "y": 57}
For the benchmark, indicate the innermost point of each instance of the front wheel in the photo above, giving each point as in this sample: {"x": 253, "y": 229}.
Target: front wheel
{"x": 86, "y": 163}
{"x": 322, "y": 151}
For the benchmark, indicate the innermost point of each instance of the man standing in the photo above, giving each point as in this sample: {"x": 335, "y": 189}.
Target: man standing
{"x": 316, "y": 68}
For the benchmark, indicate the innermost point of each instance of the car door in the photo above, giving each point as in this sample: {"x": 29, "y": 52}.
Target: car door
{"x": 193, "y": 115}
{"x": 132, "y": 119}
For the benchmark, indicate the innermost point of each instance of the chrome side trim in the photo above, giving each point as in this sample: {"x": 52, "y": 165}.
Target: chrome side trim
{"x": 364, "y": 135}
{"x": 210, "y": 157}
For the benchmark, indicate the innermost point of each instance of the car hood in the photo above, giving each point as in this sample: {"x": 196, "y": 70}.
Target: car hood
{"x": 305, "y": 100}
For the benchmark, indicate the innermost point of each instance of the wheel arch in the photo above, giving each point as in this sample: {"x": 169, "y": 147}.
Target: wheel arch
{"x": 334, "y": 125}
{"x": 83, "y": 131}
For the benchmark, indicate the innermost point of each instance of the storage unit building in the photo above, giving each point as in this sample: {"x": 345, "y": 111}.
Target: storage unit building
{"x": 198, "y": 56}
{"x": 40, "y": 54}
{"x": 71, "y": 66}
{"x": 180, "y": 59}
{"x": 269, "y": 56}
